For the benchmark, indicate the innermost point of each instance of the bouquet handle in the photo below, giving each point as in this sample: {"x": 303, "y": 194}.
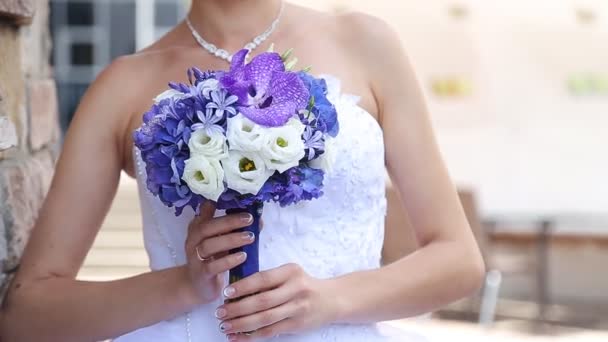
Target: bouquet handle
{"x": 252, "y": 263}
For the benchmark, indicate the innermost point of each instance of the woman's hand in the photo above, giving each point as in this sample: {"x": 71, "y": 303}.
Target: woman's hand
{"x": 207, "y": 245}
{"x": 284, "y": 300}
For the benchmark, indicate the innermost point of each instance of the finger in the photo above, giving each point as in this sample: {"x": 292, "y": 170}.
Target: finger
{"x": 285, "y": 326}
{"x": 256, "y": 303}
{"x": 224, "y": 264}
{"x": 259, "y": 320}
{"x": 224, "y": 243}
{"x": 205, "y": 213}
{"x": 261, "y": 281}
{"x": 216, "y": 226}
{"x": 207, "y": 210}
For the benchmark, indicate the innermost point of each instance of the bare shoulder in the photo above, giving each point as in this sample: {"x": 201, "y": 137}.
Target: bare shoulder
{"x": 117, "y": 80}
{"x": 369, "y": 36}
{"x": 134, "y": 68}
{"x": 127, "y": 69}
{"x": 124, "y": 83}
{"x": 114, "y": 96}
{"x": 363, "y": 25}
{"x": 113, "y": 90}
{"x": 381, "y": 55}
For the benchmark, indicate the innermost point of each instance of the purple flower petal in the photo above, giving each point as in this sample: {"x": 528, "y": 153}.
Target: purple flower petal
{"x": 287, "y": 94}
{"x": 289, "y": 87}
{"x": 266, "y": 94}
{"x": 262, "y": 69}
{"x": 272, "y": 116}
{"x": 238, "y": 60}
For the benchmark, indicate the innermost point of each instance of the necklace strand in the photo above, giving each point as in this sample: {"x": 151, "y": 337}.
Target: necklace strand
{"x": 225, "y": 55}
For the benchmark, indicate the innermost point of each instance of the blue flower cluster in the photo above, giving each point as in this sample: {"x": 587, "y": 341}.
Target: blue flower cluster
{"x": 321, "y": 117}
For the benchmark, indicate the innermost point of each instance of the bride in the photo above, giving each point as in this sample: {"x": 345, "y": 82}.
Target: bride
{"x": 321, "y": 279}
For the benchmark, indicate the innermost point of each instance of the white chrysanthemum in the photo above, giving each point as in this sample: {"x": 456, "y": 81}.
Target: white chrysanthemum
{"x": 245, "y": 135}
{"x": 209, "y": 144}
{"x": 204, "y": 176}
{"x": 245, "y": 172}
{"x": 283, "y": 147}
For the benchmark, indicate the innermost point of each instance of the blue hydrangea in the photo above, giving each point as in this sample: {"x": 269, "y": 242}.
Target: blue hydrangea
{"x": 325, "y": 115}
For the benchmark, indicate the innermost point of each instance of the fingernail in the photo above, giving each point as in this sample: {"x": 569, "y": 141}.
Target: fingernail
{"x": 220, "y": 313}
{"x": 225, "y": 326}
{"x": 232, "y": 338}
{"x": 248, "y": 236}
{"x": 246, "y": 218}
{"x": 241, "y": 256}
{"x": 229, "y": 291}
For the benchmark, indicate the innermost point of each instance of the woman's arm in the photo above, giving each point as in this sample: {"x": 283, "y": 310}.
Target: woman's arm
{"x": 45, "y": 302}
{"x": 399, "y": 237}
{"x": 448, "y": 265}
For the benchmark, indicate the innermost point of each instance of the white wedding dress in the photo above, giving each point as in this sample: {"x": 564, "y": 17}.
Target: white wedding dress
{"x": 339, "y": 233}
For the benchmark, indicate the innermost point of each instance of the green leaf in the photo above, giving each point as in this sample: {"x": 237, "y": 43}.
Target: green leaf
{"x": 291, "y": 64}
{"x": 311, "y": 103}
{"x": 285, "y": 56}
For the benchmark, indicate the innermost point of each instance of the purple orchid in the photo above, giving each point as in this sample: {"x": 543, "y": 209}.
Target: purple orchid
{"x": 267, "y": 94}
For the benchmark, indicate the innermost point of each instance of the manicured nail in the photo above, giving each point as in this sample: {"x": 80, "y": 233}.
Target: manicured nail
{"x": 220, "y": 313}
{"x": 225, "y": 326}
{"x": 246, "y": 218}
{"x": 249, "y": 236}
{"x": 229, "y": 291}
{"x": 241, "y": 256}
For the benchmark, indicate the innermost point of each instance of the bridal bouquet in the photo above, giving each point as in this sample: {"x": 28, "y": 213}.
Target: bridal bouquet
{"x": 256, "y": 133}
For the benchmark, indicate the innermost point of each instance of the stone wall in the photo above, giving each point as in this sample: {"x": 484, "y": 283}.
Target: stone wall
{"x": 29, "y": 133}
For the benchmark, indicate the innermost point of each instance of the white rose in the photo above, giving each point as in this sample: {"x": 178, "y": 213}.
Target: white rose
{"x": 170, "y": 93}
{"x": 246, "y": 172}
{"x": 211, "y": 146}
{"x": 325, "y": 161}
{"x": 283, "y": 146}
{"x": 245, "y": 135}
{"x": 207, "y": 86}
{"x": 204, "y": 177}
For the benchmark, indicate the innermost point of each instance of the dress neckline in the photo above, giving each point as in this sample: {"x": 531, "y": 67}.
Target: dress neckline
{"x": 334, "y": 89}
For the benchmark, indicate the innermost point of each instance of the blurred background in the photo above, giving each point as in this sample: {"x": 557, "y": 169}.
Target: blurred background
{"x": 518, "y": 92}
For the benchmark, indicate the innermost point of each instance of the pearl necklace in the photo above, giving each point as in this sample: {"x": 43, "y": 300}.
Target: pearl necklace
{"x": 225, "y": 55}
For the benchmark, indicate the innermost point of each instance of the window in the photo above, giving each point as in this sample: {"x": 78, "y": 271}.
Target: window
{"x": 81, "y": 54}
{"x": 80, "y": 14}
